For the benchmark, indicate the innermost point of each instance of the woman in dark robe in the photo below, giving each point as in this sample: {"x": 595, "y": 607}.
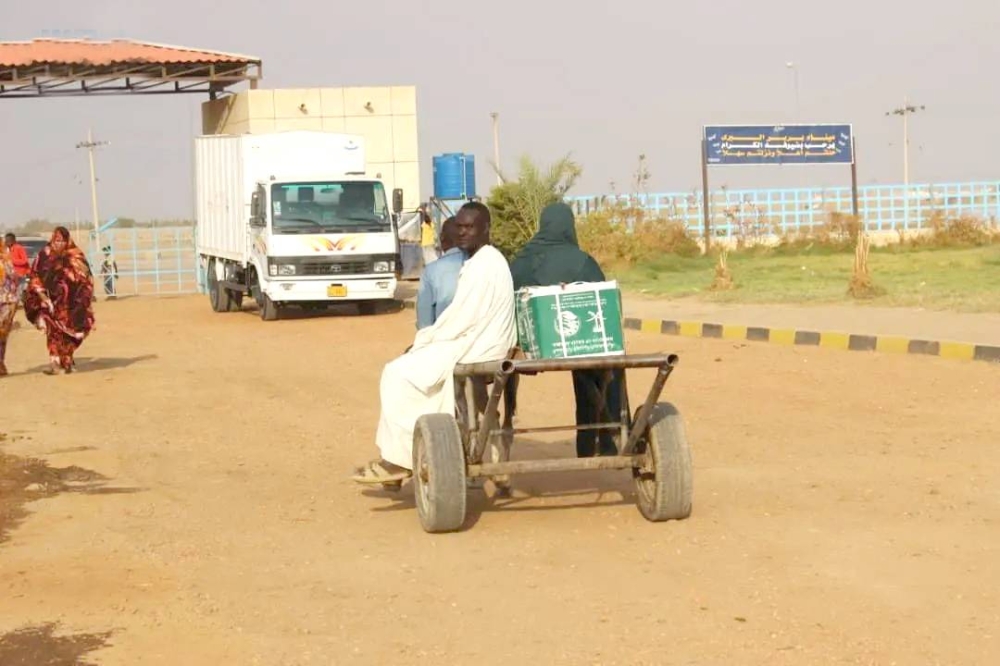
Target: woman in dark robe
{"x": 553, "y": 256}
{"x": 59, "y": 299}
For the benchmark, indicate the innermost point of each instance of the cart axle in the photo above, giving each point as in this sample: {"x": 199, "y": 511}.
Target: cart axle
{"x": 559, "y": 465}
{"x": 525, "y": 431}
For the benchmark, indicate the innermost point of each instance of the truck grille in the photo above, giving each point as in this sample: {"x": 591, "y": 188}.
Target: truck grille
{"x": 335, "y": 268}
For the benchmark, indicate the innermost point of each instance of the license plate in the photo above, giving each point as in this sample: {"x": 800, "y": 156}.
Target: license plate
{"x": 336, "y": 291}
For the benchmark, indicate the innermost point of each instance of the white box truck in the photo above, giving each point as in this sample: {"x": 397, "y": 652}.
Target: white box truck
{"x": 290, "y": 218}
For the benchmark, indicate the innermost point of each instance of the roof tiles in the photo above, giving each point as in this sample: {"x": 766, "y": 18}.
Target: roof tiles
{"x": 97, "y": 54}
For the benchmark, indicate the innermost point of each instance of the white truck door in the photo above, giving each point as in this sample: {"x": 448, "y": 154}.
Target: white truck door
{"x": 257, "y": 232}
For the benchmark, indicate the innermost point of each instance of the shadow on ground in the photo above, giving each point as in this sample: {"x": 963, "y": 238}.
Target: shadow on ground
{"x": 39, "y": 646}
{"x": 293, "y": 312}
{"x": 24, "y": 480}
{"x": 551, "y": 491}
{"x": 90, "y": 364}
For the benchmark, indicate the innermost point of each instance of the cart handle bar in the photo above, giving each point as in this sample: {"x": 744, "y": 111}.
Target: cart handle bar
{"x": 509, "y": 367}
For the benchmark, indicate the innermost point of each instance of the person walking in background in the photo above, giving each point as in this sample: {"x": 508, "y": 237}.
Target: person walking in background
{"x": 440, "y": 278}
{"x": 109, "y": 273}
{"x": 10, "y": 296}
{"x": 428, "y": 239}
{"x": 553, "y": 256}
{"x": 59, "y": 299}
{"x": 19, "y": 258}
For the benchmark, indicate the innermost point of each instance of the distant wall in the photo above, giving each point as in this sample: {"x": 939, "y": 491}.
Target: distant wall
{"x": 385, "y": 116}
{"x": 883, "y": 208}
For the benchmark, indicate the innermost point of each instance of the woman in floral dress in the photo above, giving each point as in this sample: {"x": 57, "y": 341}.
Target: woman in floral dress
{"x": 59, "y": 299}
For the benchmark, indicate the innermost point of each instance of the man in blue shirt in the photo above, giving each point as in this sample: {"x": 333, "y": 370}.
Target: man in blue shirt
{"x": 440, "y": 277}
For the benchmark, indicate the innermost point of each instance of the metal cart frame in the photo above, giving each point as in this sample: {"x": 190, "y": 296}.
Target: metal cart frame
{"x": 450, "y": 449}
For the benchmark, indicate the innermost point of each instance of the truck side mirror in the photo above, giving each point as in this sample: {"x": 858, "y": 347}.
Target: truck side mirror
{"x": 397, "y": 201}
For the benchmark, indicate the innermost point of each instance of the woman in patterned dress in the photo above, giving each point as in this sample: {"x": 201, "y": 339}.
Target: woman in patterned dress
{"x": 59, "y": 299}
{"x": 9, "y": 281}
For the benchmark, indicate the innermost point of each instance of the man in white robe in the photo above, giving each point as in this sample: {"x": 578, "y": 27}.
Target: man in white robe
{"x": 478, "y": 326}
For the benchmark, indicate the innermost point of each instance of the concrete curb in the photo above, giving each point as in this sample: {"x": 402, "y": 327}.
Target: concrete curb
{"x": 961, "y": 351}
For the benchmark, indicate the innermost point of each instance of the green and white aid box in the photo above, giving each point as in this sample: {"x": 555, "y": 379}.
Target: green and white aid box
{"x": 579, "y": 319}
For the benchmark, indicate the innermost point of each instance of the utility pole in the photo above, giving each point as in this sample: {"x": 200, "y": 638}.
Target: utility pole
{"x": 90, "y": 145}
{"x": 905, "y": 112}
{"x": 496, "y": 145}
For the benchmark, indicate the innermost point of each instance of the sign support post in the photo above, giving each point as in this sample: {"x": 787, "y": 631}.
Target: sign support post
{"x": 854, "y": 178}
{"x": 705, "y": 202}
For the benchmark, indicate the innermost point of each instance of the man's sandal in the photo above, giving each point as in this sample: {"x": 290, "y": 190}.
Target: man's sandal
{"x": 378, "y": 472}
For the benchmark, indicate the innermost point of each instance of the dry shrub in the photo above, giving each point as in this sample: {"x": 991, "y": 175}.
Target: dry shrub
{"x": 604, "y": 238}
{"x": 723, "y": 280}
{"x": 665, "y": 236}
{"x": 861, "y": 285}
{"x": 840, "y": 231}
{"x": 962, "y": 231}
{"x": 605, "y": 235}
{"x": 749, "y": 225}
{"x": 795, "y": 240}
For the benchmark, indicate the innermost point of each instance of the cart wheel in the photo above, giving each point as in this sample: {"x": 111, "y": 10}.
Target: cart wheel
{"x": 439, "y": 473}
{"x": 663, "y": 484}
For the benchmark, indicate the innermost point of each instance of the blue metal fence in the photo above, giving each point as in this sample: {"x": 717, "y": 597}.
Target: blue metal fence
{"x": 162, "y": 260}
{"x": 151, "y": 260}
{"x": 881, "y": 207}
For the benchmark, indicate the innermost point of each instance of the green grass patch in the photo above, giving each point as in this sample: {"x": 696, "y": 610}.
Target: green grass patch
{"x": 966, "y": 279}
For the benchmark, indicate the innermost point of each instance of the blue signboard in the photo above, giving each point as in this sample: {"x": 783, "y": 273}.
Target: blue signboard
{"x": 779, "y": 144}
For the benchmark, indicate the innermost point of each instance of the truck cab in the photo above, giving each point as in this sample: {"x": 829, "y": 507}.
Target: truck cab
{"x": 294, "y": 219}
{"x": 317, "y": 242}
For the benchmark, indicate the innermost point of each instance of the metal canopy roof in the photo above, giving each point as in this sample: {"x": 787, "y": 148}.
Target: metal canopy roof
{"x": 68, "y": 67}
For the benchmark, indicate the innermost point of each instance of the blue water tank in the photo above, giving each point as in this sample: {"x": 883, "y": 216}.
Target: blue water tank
{"x": 454, "y": 176}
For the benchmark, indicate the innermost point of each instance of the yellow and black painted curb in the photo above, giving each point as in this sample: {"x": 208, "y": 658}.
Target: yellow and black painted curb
{"x": 964, "y": 351}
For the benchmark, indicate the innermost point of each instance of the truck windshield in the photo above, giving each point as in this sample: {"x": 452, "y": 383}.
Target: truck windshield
{"x": 329, "y": 207}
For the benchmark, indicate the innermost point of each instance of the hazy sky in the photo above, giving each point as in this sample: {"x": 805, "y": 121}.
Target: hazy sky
{"x": 605, "y": 81}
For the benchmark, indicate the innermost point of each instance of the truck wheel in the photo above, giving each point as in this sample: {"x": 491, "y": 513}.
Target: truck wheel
{"x": 439, "y": 473}
{"x": 235, "y": 300}
{"x": 664, "y": 482}
{"x": 218, "y": 296}
{"x": 268, "y": 309}
{"x": 367, "y": 308}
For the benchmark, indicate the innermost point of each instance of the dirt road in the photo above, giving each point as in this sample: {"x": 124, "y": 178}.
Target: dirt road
{"x": 190, "y": 505}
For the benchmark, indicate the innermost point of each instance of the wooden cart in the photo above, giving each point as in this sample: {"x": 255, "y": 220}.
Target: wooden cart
{"x": 448, "y": 449}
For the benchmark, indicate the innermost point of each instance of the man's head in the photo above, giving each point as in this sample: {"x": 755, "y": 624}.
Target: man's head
{"x": 449, "y": 234}
{"x": 9, "y": 240}
{"x": 472, "y": 227}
